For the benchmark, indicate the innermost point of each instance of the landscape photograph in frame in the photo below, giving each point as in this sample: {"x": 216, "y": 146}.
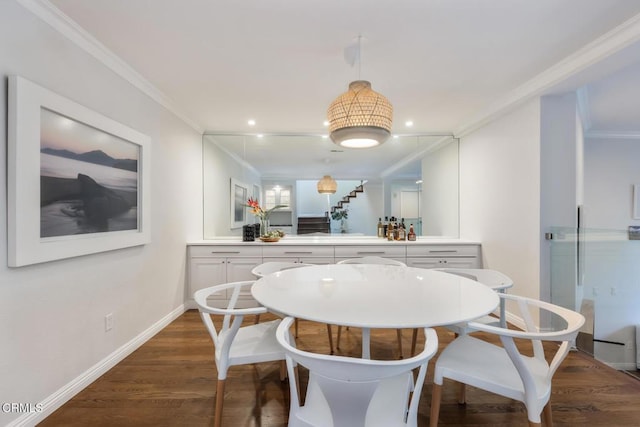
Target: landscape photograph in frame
{"x": 88, "y": 179}
{"x": 78, "y": 182}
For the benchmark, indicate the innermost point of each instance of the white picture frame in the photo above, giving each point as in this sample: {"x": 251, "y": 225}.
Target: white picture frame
{"x": 636, "y": 201}
{"x": 87, "y": 221}
{"x": 238, "y": 197}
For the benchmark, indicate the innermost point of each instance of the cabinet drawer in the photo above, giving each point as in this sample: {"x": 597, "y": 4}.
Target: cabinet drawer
{"x": 377, "y": 250}
{"x": 443, "y": 251}
{"x": 225, "y": 251}
{"x": 298, "y": 251}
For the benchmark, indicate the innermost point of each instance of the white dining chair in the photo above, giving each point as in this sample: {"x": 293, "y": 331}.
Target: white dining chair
{"x": 354, "y": 392}
{"x": 503, "y": 370}
{"x": 493, "y": 279}
{"x": 271, "y": 267}
{"x": 371, "y": 259}
{"x": 235, "y": 344}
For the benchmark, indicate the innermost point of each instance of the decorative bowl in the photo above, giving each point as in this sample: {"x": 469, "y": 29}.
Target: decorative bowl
{"x": 269, "y": 239}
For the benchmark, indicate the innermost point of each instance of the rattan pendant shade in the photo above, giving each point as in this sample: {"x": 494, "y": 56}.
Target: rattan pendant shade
{"x": 327, "y": 185}
{"x": 360, "y": 117}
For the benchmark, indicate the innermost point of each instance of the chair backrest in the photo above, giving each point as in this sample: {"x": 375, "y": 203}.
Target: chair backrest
{"x": 222, "y": 339}
{"x": 372, "y": 260}
{"x": 274, "y": 266}
{"x": 563, "y": 326}
{"x": 347, "y": 391}
{"x": 491, "y": 278}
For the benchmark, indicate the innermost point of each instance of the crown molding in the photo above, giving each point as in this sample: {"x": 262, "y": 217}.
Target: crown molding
{"x": 237, "y": 158}
{"x": 51, "y": 15}
{"x": 611, "y": 134}
{"x": 604, "y": 46}
{"x": 417, "y": 155}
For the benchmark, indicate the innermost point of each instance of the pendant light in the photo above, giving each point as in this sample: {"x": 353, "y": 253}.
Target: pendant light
{"x": 327, "y": 185}
{"x": 360, "y": 117}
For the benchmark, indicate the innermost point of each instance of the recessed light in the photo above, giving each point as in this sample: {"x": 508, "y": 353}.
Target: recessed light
{"x": 259, "y": 135}
{"x": 408, "y": 123}
{"x": 326, "y": 123}
{"x": 395, "y": 136}
{"x": 251, "y": 122}
{"x": 325, "y": 136}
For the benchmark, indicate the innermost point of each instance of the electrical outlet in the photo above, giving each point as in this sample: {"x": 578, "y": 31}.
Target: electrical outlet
{"x": 108, "y": 322}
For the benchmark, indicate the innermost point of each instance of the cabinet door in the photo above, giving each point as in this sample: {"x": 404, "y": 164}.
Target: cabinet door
{"x": 239, "y": 269}
{"x": 205, "y": 272}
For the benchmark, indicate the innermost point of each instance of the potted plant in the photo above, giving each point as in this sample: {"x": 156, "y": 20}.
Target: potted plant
{"x": 341, "y": 215}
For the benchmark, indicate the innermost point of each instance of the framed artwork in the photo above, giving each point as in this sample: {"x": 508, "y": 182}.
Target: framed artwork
{"x": 78, "y": 182}
{"x": 636, "y": 201}
{"x": 239, "y": 195}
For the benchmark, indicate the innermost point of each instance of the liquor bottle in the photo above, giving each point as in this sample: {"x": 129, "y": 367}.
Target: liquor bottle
{"x": 385, "y": 226}
{"x": 396, "y": 229}
{"x": 402, "y": 233}
{"x": 412, "y": 234}
{"x": 380, "y": 228}
{"x": 390, "y": 233}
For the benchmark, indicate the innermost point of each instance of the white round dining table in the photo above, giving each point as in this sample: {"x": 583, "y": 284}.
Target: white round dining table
{"x": 374, "y": 296}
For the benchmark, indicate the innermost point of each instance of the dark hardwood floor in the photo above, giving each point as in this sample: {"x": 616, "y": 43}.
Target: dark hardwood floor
{"x": 171, "y": 381}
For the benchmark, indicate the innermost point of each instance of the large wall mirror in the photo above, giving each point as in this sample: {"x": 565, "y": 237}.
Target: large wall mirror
{"x": 413, "y": 177}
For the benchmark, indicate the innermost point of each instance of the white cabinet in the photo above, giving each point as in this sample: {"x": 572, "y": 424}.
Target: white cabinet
{"x": 394, "y": 251}
{"x": 214, "y": 265}
{"x": 438, "y": 256}
{"x": 304, "y": 254}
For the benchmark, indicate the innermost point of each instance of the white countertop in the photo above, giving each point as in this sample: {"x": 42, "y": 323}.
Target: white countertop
{"x": 332, "y": 240}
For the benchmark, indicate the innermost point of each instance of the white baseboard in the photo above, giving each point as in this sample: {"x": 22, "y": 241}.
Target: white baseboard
{"x": 65, "y": 393}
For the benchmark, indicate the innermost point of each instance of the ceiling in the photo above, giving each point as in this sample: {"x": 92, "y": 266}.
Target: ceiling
{"x": 280, "y": 63}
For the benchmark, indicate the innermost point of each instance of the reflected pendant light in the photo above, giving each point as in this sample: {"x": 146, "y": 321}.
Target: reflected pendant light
{"x": 327, "y": 185}
{"x": 361, "y": 117}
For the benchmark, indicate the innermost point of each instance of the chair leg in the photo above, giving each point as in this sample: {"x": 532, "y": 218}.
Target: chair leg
{"x": 399, "y": 334}
{"x": 283, "y": 370}
{"x": 296, "y": 325}
{"x": 219, "y": 402}
{"x": 331, "y": 337}
{"x": 436, "y": 396}
{"x": 414, "y": 341}
{"x": 338, "y": 338}
{"x": 462, "y": 393}
{"x": 532, "y": 424}
{"x": 548, "y": 419}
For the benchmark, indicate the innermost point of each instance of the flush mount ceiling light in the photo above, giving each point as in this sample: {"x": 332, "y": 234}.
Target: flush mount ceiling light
{"x": 327, "y": 185}
{"x": 360, "y": 117}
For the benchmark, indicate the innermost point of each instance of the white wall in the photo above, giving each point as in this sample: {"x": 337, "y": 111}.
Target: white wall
{"x": 439, "y": 202}
{"x": 500, "y": 195}
{"x": 611, "y": 169}
{"x": 52, "y": 314}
